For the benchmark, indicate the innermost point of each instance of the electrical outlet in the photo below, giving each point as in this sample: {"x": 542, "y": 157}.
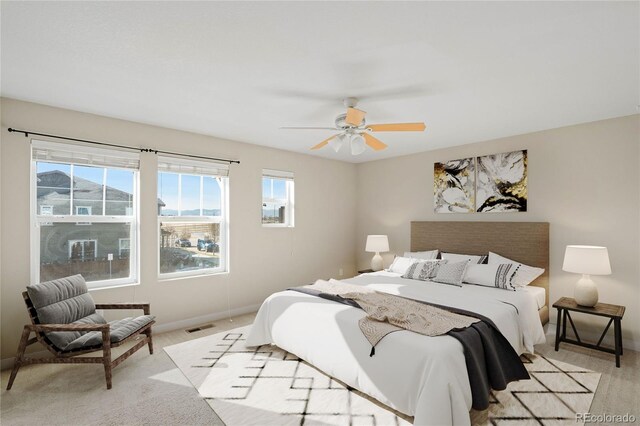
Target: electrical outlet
{"x": 340, "y": 272}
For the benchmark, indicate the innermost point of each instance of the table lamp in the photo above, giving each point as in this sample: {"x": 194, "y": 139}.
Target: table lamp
{"x": 586, "y": 260}
{"x": 377, "y": 244}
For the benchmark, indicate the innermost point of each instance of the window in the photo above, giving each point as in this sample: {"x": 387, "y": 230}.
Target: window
{"x": 83, "y": 210}
{"x": 124, "y": 245}
{"x": 82, "y": 249}
{"x": 192, "y": 217}
{"x": 277, "y": 198}
{"x": 84, "y": 201}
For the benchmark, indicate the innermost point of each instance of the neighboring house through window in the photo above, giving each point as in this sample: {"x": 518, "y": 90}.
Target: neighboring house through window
{"x": 277, "y": 198}
{"x": 193, "y": 217}
{"x": 71, "y": 182}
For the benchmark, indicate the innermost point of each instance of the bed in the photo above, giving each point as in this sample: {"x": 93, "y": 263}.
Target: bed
{"x": 424, "y": 377}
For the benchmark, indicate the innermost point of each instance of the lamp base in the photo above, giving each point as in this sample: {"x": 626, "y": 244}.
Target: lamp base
{"x": 376, "y": 262}
{"x": 585, "y": 292}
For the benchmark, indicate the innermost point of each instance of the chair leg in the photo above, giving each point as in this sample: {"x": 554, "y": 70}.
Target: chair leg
{"x": 148, "y": 333}
{"x": 106, "y": 356}
{"x": 19, "y": 355}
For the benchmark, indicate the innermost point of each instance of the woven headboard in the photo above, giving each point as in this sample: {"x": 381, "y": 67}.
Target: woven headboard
{"x": 526, "y": 242}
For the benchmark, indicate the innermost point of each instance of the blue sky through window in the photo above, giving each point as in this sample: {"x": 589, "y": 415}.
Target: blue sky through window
{"x": 168, "y": 193}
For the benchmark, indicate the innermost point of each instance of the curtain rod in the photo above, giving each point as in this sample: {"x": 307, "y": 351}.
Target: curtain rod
{"x": 155, "y": 151}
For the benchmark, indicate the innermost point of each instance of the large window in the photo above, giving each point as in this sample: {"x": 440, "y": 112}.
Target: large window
{"x": 192, "y": 199}
{"x": 277, "y": 198}
{"x": 83, "y": 207}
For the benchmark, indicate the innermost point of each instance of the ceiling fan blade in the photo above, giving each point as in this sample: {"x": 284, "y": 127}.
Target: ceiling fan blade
{"x": 375, "y": 144}
{"x": 323, "y": 143}
{"x": 354, "y": 116}
{"x": 397, "y": 127}
{"x": 308, "y": 128}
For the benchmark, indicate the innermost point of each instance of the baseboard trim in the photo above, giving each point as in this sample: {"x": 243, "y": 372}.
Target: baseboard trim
{"x": 162, "y": 328}
{"x": 192, "y": 322}
{"x": 593, "y": 337}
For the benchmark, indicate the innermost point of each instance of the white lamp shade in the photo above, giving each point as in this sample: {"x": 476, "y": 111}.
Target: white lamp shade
{"x": 377, "y": 243}
{"x": 357, "y": 145}
{"x": 337, "y": 142}
{"x": 587, "y": 260}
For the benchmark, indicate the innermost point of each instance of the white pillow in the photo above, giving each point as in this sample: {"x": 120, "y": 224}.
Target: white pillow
{"x": 453, "y": 257}
{"x": 401, "y": 264}
{"x": 426, "y": 255}
{"x": 499, "y": 275}
{"x": 525, "y": 274}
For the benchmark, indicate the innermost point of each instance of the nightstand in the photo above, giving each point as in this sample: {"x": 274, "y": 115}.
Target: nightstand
{"x": 365, "y": 271}
{"x": 614, "y": 312}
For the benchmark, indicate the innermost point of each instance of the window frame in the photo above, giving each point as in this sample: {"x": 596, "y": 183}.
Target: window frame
{"x": 37, "y": 220}
{"x": 289, "y": 200}
{"x": 222, "y": 220}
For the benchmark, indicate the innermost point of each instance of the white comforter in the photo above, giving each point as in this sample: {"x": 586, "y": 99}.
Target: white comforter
{"x": 422, "y": 376}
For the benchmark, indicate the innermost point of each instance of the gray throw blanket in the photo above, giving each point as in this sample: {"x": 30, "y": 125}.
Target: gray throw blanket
{"x": 491, "y": 361}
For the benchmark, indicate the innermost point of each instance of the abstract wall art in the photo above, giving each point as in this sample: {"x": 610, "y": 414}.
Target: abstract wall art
{"x": 501, "y": 184}
{"x": 454, "y": 186}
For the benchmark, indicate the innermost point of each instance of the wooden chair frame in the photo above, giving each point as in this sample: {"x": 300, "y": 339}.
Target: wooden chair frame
{"x": 67, "y": 357}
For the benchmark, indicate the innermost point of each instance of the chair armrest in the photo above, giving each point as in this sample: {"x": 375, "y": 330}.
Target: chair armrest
{"x": 45, "y": 328}
{"x": 146, "y": 307}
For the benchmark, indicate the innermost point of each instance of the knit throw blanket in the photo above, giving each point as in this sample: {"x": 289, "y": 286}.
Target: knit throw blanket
{"x": 387, "y": 313}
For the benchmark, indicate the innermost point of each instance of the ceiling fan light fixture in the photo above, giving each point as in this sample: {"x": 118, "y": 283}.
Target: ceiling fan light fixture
{"x": 358, "y": 145}
{"x": 337, "y": 142}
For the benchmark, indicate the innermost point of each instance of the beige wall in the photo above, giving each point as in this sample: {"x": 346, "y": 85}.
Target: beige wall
{"x": 263, "y": 260}
{"x": 583, "y": 180}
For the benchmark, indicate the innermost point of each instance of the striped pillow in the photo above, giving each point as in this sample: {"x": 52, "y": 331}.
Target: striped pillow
{"x": 497, "y": 275}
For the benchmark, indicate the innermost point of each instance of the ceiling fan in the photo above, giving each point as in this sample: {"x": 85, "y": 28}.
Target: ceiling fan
{"x": 353, "y": 129}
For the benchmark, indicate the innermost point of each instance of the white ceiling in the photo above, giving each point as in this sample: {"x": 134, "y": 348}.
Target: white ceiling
{"x": 239, "y": 70}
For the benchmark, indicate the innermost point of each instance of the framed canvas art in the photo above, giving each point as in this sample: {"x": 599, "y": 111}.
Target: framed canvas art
{"x": 454, "y": 186}
{"x": 501, "y": 182}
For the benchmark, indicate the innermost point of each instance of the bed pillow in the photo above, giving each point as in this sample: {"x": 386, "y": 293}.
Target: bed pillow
{"x": 454, "y": 257}
{"x": 525, "y": 274}
{"x": 423, "y": 270}
{"x": 426, "y": 255}
{"x": 499, "y": 275}
{"x": 401, "y": 264}
{"x": 451, "y": 273}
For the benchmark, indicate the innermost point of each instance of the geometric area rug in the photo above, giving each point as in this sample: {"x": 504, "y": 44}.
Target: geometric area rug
{"x": 269, "y": 386}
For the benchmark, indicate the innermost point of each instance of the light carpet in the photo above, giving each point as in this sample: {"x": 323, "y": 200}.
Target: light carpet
{"x": 268, "y": 386}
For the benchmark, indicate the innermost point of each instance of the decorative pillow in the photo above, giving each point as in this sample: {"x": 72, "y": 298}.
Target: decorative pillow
{"x": 451, "y": 273}
{"x": 424, "y": 270}
{"x": 401, "y": 264}
{"x": 426, "y": 255}
{"x": 498, "y": 275}
{"x": 453, "y": 257}
{"x": 525, "y": 274}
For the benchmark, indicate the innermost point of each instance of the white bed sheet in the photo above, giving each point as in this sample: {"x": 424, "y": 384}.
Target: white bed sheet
{"x": 418, "y": 375}
{"x": 539, "y": 293}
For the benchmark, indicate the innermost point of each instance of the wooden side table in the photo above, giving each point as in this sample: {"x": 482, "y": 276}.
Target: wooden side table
{"x": 614, "y": 312}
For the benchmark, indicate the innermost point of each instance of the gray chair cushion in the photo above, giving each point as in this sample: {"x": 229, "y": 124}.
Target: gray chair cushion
{"x": 64, "y": 301}
{"x": 120, "y": 330}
